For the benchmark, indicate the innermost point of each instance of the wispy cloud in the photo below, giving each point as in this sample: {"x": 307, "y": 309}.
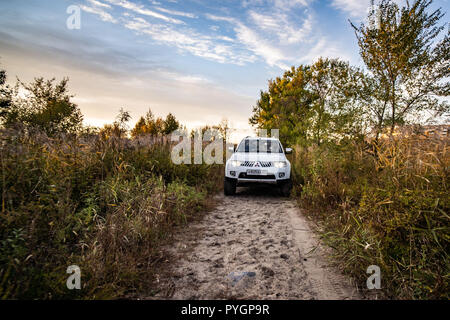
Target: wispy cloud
{"x": 143, "y": 11}
{"x": 280, "y": 4}
{"x": 104, "y": 16}
{"x": 356, "y": 8}
{"x": 287, "y": 4}
{"x": 279, "y": 33}
{"x": 324, "y": 48}
{"x": 253, "y": 42}
{"x": 189, "y": 40}
{"x": 279, "y": 25}
{"x": 177, "y": 13}
{"x": 270, "y": 37}
{"x": 272, "y": 55}
{"x": 97, "y": 3}
{"x": 184, "y": 78}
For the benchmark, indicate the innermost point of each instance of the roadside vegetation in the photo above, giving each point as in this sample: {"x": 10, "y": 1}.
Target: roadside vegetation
{"x": 365, "y": 167}
{"x": 102, "y": 199}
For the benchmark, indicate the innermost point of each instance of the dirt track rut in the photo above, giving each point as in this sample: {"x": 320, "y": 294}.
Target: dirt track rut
{"x": 259, "y": 232}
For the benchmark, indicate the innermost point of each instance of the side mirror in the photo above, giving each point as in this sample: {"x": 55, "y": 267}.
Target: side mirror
{"x": 288, "y": 150}
{"x": 231, "y": 148}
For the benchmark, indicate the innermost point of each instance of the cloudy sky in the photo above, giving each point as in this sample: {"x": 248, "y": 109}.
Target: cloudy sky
{"x": 202, "y": 60}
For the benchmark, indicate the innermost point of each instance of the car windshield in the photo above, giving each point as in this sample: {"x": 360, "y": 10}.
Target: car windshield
{"x": 260, "y": 146}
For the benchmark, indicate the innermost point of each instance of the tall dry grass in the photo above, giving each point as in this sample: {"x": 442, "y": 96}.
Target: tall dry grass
{"x": 102, "y": 204}
{"x": 385, "y": 205}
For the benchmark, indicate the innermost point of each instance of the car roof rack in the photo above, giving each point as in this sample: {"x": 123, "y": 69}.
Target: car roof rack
{"x": 247, "y": 137}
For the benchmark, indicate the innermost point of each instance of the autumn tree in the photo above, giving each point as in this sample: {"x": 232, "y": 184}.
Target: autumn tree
{"x": 336, "y": 108}
{"x": 159, "y": 126}
{"x": 170, "y": 124}
{"x": 118, "y": 128}
{"x": 224, "y": 128}
{"x": 149, "y": 125}
{"x": 46, "y": 105}
{"x": 286, "y": 106}
{"x": 5, "y": 97}
{"x": 145, "y": 125}
{"x": 312, "y": 104}
{"x": 408, "y": 57}
{"x": 139, "y": 128}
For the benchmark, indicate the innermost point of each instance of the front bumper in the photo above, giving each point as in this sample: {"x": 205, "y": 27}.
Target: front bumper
{"x": 271, "y": 175}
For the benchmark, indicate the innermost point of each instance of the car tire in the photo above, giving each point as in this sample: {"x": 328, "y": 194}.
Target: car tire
{"x": 229, "y": 187}
{"x": 286, "y": 188}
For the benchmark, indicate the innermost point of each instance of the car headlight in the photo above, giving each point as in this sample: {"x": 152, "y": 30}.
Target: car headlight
{"x": 280, "y": 164}
{"x": 235, "y": 163}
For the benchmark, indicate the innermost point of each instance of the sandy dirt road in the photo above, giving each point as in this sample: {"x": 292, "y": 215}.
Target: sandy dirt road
{"x": 255, "y": 245}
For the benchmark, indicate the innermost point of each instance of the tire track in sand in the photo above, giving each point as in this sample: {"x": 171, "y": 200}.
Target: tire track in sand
{"x": 254, "y": 231}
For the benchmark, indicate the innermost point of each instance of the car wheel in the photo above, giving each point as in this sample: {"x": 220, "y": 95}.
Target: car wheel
{"x": 286, "y": 188}
{"x": 229, "y": 187}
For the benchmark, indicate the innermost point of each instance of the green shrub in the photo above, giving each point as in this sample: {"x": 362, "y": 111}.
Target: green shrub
{"x": 102, "y": 204}
{"x": 385, "y": 205}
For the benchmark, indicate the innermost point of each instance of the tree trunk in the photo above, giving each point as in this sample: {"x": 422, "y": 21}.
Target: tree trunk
{"x": 393, "y": 107}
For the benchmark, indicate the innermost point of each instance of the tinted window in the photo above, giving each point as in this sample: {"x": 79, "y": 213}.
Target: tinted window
{"x": 260, "y": 146}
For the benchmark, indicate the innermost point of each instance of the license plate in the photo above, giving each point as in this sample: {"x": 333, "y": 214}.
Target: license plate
{"x": 256, "y": 172}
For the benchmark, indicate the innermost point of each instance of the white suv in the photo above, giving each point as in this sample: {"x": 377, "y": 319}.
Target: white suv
{"x": 258, "y": 160}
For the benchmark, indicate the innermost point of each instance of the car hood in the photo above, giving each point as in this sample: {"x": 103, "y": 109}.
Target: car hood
{"x": 250, "y": 156}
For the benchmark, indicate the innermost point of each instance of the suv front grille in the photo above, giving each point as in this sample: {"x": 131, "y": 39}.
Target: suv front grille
{"x": 264, "y": 164}
{"x": 243, "y": 175}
